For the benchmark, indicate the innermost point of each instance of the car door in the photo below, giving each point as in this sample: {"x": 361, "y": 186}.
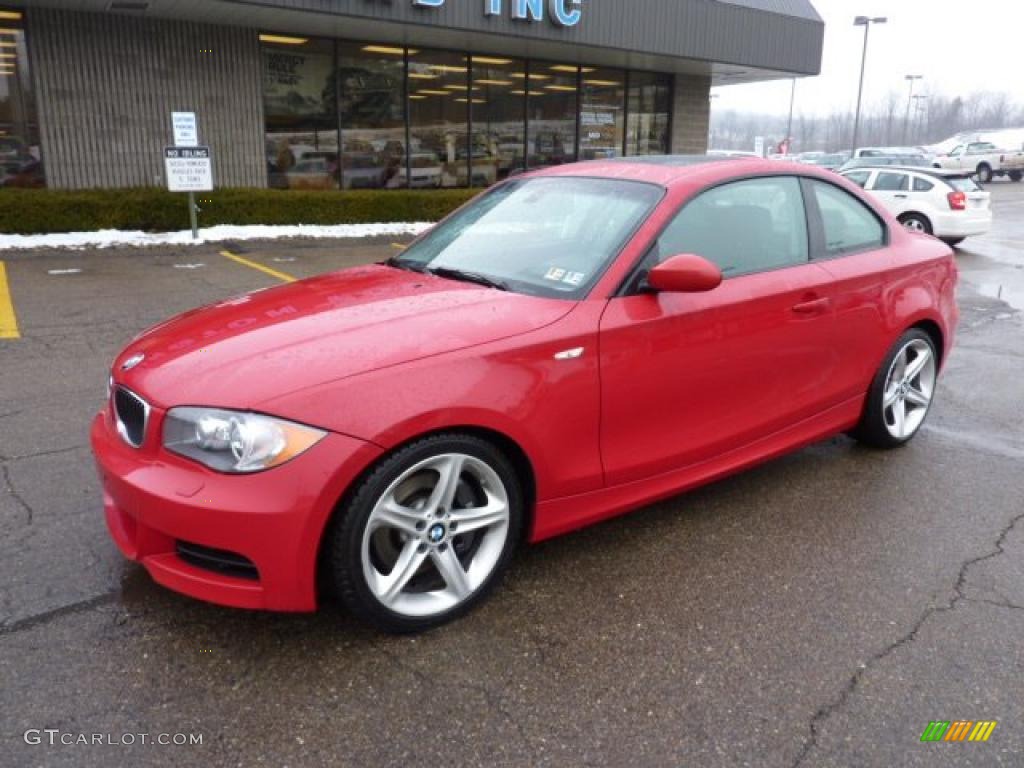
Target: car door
{"x": 893, "y": 189}
{"x": 685, "y": 377}
{"x": 853, "y": 250}
{"x": 955, "y": 159}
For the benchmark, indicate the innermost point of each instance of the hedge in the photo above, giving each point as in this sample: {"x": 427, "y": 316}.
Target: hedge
{"x": 42, "y": 211}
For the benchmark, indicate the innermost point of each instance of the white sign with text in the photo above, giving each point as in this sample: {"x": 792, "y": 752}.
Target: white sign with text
{"x": 186, "y": 129}
{"x": 189, "y": 169}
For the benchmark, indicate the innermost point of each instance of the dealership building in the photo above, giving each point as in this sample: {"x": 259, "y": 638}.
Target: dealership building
{"x": 350, "y": 94}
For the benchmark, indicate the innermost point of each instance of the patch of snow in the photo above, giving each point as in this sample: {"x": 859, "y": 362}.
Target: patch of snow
{"x": 107, "y": 238}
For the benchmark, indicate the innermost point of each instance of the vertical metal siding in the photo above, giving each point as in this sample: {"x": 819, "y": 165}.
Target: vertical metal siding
{"x": 107, "y": 85}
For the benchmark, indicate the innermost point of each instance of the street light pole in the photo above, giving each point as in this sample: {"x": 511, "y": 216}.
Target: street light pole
{"x": 910, "y": 97}
{"x": 863, "y": 21}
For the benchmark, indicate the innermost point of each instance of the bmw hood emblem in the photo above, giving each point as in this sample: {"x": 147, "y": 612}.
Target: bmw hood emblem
{"x": 132, "y": 361}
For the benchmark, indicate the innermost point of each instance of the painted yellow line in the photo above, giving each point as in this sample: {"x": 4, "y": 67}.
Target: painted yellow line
{"x": 8, "y": 320}
{"x": 283, "y": 277}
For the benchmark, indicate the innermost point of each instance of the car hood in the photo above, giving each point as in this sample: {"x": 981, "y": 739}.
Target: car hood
{"x": 243, "y": 351}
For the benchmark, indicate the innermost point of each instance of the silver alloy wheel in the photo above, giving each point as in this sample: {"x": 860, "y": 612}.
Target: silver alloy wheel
{"x": 914, "y": 225}
{"x": 909, "y": 387}
{"x": 435, "y": 535}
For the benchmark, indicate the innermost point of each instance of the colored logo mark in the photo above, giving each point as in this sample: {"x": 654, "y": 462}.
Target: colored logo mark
{"x": 958, "y": 730}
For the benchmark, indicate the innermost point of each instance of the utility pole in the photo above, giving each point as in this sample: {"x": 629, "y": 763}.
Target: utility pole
{"x": 920, "y": 105}
{"x": 863, "y": 21}
{"x": 789, "y": 125}
{"x": 711, "y": 100}
{"x": 910, "y": 97}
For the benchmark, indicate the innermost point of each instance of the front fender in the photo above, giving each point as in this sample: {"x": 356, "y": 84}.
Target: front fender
{"x": 550, "y": 408}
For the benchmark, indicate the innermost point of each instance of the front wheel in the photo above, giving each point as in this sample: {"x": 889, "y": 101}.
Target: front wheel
{"x": 953, "y": 241}
{"x": 984, "y": 173}
{"x": 901, "y": 393}
{"x": 427, "y": 534}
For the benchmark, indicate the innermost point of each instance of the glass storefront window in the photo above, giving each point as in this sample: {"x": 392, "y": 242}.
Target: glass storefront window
{"x": 301, "y": 113}
{"x": 499, "y": 119}
{"x": 20, "y": 160}
{"x": 649, "y": 110}
{"x": 439, "y": 97}
{"x": 362, "y": 115}
{"x": 371, "y": 112}
{"x": 602, "y": 113}
{"x": 551, "y": 113}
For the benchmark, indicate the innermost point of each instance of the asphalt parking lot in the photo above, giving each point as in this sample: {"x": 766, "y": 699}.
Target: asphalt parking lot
{"x": 820, "y": 610}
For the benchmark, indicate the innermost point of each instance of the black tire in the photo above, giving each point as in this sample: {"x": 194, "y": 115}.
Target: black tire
{"x": 1016, "y": 175}
{"x": 953, "y": 241}
{"x": 984, "y": 173}
{"x": 872, "y": 430}
{"x": 916, "y": 222}
{"x": 345, "y": 536}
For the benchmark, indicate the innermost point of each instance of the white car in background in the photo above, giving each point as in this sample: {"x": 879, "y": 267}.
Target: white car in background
{"x": 946, "y": 204}
{"x": 870, "y": 152}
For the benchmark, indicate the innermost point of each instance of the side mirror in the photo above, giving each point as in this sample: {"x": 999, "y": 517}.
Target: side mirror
{"x": 685, "y": 273}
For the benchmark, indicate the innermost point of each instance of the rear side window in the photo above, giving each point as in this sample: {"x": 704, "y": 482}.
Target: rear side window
{"x": 891, "y": 182}
{"x": 860, "y": 178}
{"x": 922, "y": 185}
{"x": 743, "y": 227}
{"x": 849, "y": 225}
{"x": 963, "y": 184}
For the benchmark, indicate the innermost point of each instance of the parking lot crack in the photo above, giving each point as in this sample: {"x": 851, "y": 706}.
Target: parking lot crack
{"x": 5, "y": 473}
{"x": 995, "y": 603}
{"x": 825, "y": 711}
{"x": 53, "y": 452}
{"x": 492, "y": 697}
{"x": 30, "y": 622}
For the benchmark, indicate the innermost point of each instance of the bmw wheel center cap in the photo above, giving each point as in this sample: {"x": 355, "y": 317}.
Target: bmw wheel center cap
{"x": 436, "y": 533}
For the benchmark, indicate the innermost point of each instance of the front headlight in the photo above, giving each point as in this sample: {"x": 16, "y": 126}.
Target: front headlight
{"x": 233, "y": 441}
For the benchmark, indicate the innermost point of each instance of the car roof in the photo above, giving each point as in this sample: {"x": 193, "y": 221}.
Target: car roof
{"x": 668, "y": 170}
{"x": 939, "y": 173}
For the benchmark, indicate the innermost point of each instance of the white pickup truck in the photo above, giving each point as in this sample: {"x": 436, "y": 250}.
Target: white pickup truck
{"x": 984, "y": 159}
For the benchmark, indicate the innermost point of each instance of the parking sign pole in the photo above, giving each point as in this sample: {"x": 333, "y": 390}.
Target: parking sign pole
{"x": 193, "y": 215}
{"x": 187, "y": 164}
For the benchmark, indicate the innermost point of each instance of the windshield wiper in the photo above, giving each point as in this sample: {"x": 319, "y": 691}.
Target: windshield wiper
{"x": 468, "y": 277}
{"x": 399, "y": 263}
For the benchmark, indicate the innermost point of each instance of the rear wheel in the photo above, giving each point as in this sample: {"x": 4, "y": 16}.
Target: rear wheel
{"x": 954, "y": 241}
{"x": 427, "y": 534}
{"x": 1016, "y": 175}
{"x": 915, "y": 222}
{"x": 901, "y": 393}
{"x": 984, "y": 173}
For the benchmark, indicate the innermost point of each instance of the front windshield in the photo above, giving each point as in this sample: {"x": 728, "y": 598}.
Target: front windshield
{"x": 546, "y": 236}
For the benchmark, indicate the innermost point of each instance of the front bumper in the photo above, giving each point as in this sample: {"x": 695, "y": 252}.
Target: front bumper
{"x": 154, "y": 500}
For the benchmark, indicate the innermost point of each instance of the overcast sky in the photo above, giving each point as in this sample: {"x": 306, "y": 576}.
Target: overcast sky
{"x": 956, "y": 44}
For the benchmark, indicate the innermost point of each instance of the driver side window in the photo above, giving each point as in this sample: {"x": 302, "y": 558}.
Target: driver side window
{"x": 743, "y": 227}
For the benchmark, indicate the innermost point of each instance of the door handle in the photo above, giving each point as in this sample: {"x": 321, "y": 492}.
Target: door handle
{"x": 901, "y": 197}
{"x": 812, "y": 307}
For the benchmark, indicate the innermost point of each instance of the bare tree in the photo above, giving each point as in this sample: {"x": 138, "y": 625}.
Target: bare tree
{"x": 934, "y": 117}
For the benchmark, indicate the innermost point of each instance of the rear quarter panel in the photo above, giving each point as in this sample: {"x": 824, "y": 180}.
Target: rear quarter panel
{"x": 882, "y": 293}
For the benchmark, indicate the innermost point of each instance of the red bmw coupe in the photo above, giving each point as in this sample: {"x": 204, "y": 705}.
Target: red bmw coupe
{"x": 572, "y": 344}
